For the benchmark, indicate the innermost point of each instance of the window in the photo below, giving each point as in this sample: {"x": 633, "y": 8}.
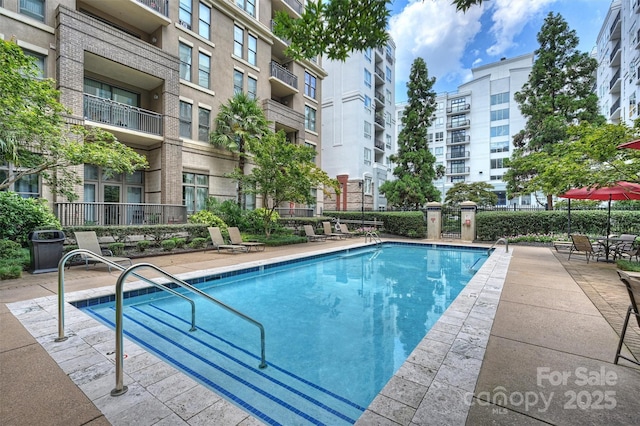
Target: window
{"x": 500, "y": 131}
{"x": 39, "y": 62}
{"x": 459, "y": 120}
{"x": 238, "y": 41}
{"x": 184, "y": 51}
{"x": 195, "y": 190}
{"x": 458, "y": 136}
{"x": 459, "y": 104}
{"x": 387, "y": 118}
{"x": 429, "y": 138}
{"x": 367, "y": 101}
{"x": 309, "y": 85}
{"x": 458, "y": 166}
{"x": 388, "y": 141}
{"x": 367, "y": 156}
{"x": 500, "y": 98}
{"x": 502, "y": 146}
{"x": 456, "y": 179}
{"x": 368, "y": 185}
{"x": 500, "y": 114}
{"x": 252, "y": 50}
{"x": 27, "y": 186}
{"x": 309, "y": 118}
{"x": 439, "y": 150}
{"x": 204, "y": 21}
{"x": 204, "y": 68}
{"x": 252, "y": 88}
{"x": 100, "y": 186}
{"x": 367, "y": 130}
{"x": 388, "y": 97}
{"x": 497, "y": 163}
{"x": 367, "y": 54}
{"x": 238, "y": 77}
{"x": 388, "y": 74}
{"x": 204, "y": 116}
{"x": 185, "y": 119}
{"x": 439, "y": 136}
{"x": 439, "y": 122}
{"x": 367, "y": 78}
{"x": 33, "y": 9}
{"x": 184, "y": 13}
{"x": 248, "y": 6}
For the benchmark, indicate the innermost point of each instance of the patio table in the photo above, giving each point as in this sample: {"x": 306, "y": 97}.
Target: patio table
{"x": 608, "y": 243}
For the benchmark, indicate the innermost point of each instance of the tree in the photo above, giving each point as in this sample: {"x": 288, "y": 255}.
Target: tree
{"x": 557, "y": 95}
{"x": 480, "y": 193}
{"x": 414, "y": 169}
{"x": 338, "y": 27}
{"x": 284, "y": 172}
{"x": 239, "y": 123}
{"x": 35, "y": 138}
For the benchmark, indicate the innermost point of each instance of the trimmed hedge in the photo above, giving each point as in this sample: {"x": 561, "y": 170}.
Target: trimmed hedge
{"x": 408, "y": 224}
{"x": 494, "y": 225}
{"x": 155, "y": 233}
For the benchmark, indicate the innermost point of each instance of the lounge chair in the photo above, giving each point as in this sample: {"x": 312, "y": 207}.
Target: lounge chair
{"x": 582, "y": 243}
{"x": 344, "y": 229}
{"x": 630, "y": 249}
{"x": 88, "y": 240}
{"x": 236, "y": 238}
{"x": 219, "y": 244}
{"x": 326, "y": 226}
{"x": 311, "y": 234}
{"x": 633, "y": 288}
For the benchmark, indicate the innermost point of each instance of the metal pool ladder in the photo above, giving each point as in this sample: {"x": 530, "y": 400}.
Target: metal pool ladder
{"x": 373, "y": 236}
{"x": 120, "y": 388}
{"x": 499, "y": 240}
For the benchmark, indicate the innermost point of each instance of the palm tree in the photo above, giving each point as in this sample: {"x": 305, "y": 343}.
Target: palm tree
{"x": 239, "y": 123}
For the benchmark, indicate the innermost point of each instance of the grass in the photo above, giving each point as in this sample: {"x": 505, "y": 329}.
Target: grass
{"x": 628, "y": 265}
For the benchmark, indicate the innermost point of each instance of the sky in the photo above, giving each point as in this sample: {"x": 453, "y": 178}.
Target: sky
{"x": 452, "y": 43}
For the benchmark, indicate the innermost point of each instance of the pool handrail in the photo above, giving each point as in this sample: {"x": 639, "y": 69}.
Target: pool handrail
{"x": 120, "y": 388}
{"x": 373, "y": 236}
{"x": 61, "y": 337}
{"x": 499, "y": 240}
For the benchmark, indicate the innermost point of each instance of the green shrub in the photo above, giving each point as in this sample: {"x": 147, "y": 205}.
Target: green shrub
{"x": 9, "y": 249}
{"x": 19, "y": 216}
{"x": 168, "y": 245}
{"x": 142, "y": 245}
{"x": 198, "y": 243}
{"x": 10, "y": 272}
{"x": 116, "y": 248}
{"x": 628, "y": 265}
{"x": 254, "y": 221}
{"x": 180, "y": 242}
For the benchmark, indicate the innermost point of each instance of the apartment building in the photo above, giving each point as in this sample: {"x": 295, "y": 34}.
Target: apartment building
{"x": 358, "y": 120}
{"x": 472, "y": 128}
{"x": 618, "y": 55}
{"x": 154, "y": 73}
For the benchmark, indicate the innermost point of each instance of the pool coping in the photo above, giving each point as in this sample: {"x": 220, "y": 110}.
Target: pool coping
{"x": 436, "y": 380}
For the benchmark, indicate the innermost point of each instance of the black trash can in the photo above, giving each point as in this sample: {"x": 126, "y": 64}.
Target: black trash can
{"x": 46, "y": 249}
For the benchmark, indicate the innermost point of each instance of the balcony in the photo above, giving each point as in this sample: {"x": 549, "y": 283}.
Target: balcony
{"x": 461, "y": 170}
{"x": 283, "y": 81}
{"x": 135, "y": 124}
{"x": 284, "y": 117}
{"x": 147, "y": 15}
{"x": 456, "y": 109}
{"x": 614, "y": 84}
{"x": 293, "y": 7}
{"x": 109, "y": 214}
{"x": 614, "y": 30}
{"x": 614, "y": 57}
{"x": 379, "y": 145}
{"x": 379, "y": 120}
{"x": 458, "y": 140}
{"x": 379, "y": 74}
{"x": 462, "y": 155}
{"x": 614, "y": 111}
{"x": 458, "y": 124}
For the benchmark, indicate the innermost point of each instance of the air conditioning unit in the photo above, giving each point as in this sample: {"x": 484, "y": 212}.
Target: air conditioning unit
{"x": 184, "y": 24}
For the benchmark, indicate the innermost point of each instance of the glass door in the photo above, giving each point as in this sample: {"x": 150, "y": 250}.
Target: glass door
{"x": 112, "y": 204}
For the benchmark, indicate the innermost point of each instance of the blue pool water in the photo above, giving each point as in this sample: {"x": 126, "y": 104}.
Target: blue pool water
{"x": 337, "y": 328}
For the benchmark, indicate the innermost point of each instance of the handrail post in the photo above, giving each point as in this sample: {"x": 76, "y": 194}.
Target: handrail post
{"x": 120, "y": 388}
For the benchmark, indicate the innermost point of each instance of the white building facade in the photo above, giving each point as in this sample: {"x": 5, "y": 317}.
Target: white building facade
{"x": 358, "y": 126}
{"x": 472, "y": 130}
{"x": 618, "y": 55}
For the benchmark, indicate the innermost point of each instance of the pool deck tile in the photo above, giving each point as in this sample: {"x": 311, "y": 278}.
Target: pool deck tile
{"x": 552, "y": 315}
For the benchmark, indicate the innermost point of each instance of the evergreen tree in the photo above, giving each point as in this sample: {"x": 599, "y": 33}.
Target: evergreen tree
{"x": 415, "y": 170}
{"x": 557, "y": 95}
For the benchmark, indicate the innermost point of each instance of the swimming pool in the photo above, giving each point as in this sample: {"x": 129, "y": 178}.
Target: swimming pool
{"x": 338, "y": 327}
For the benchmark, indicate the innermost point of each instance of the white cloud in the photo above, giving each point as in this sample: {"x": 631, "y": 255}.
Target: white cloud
{"x": 509, "y": 18}
{"x": 436, "y": 32}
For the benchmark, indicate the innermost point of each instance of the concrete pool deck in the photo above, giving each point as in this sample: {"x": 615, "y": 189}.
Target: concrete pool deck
{"x": 532, "y": 342}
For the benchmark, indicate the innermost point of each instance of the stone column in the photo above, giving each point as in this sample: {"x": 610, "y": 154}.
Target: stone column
{"x": 468, "y": 213}
{"x": 434, "y": 220}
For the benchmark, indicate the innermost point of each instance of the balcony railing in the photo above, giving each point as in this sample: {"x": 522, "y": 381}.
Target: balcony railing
{"x": 379, "y": 96}
{"x": 121, "y": 115}
{"x": 615, "y": 78}
{"x": 379, "y": 73}
{"x": 456, "y": 140}
{"x": 457, "y": 155}
{"x": 616, "y": 49}
{"x": 458, "y": 123}
{"x": 458, "y": 108}
{"x": 614, "y": 107}
{"x": 615, "y": 22}
{"x": 284, "y": 75}
{"x": 379, "y": 144}
{"x": 458, "y": 170}
{"x": 106, "y": 214}
{"x": 295, "y": 5}
{"x": 379, "y": 119}
{"x": 160, "y": 6}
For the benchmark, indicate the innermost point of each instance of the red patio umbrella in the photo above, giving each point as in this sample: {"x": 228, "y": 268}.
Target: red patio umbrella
{"x": 619, "y": 191}
{"x": 631, "y": 145}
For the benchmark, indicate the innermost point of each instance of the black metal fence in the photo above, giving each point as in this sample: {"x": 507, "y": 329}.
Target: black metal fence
{"x": 451, "y": 222}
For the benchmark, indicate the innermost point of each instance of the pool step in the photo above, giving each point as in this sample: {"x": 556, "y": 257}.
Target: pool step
{"x": 273, "y": 395}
